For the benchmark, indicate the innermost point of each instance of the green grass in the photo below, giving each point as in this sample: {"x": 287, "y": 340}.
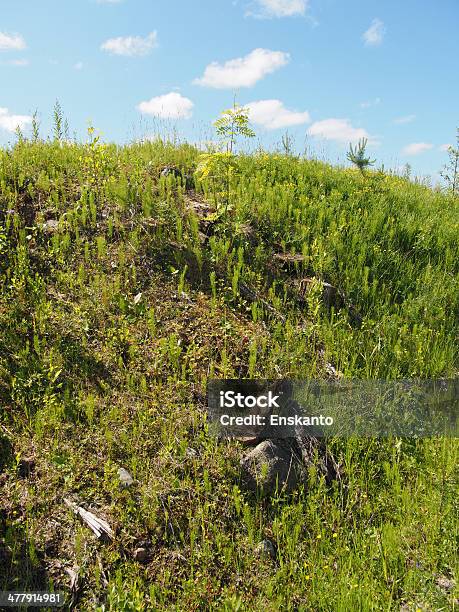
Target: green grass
{"x": 113, "y": 319}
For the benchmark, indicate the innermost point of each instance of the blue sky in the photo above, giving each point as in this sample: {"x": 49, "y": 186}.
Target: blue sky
{"x": 329, "y": 71}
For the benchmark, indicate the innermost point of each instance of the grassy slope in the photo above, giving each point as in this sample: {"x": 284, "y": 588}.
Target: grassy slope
{"x": 93, "y": 378}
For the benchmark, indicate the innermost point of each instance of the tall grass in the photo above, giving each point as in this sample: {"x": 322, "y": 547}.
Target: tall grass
{"x": 114, "y": 311}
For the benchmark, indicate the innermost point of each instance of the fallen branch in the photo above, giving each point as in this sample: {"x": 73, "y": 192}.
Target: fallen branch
{"x": 99, "y": 526}
{"x": 247, "y": 292}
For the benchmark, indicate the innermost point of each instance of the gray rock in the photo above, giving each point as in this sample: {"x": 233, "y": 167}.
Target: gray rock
{"x": 271, "y": 466}
{"x": 265, "y": 549}
{"x": 141, "y": 554}
{"x": 170, "y": 170}
{"x": 125, "y": 478}
{"x": 51, "y": 226}
{"x": 191, "y": 453}
{"x": 446, "y": 584}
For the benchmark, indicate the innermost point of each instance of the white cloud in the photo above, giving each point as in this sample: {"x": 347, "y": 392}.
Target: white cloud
{"x": 272, "y": 114}
{"x": 445, "y": 147}
{"x": 340, "y": 130}
{"x": 11, "y": 42}
{"x": 282, "y": 8}
{"x": 243, "y": 71}
{"x": 17, "y": 62}
{"x": 169, "y": 106}
{"x": 403, "y": 120}
{"x": 10, "y": 122}
{"x": 369, "y": 103}
{"x": 375, "y": 33}
{"x": 416, "y": 148}
{"x": 79, "y": 66}
{"x": 131, "y": 46}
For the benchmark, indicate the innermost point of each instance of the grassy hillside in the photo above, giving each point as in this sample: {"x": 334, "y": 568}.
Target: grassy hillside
{"x": 123, "y": 290}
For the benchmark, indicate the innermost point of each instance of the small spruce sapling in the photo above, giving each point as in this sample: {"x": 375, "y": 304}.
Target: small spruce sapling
{"x": 357, "y": 155}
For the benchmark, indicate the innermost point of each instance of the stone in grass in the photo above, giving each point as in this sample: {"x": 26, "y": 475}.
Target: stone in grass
{"x": 271, "y": 466}
{"x": 191, "y": 453}
{"x": 141, "y": 554}
{"x": 125, "y": 478}
{"x": 51, "y": 226}
{"x": 171, "y": 170}
{"x": 167, "y": 170}
{"x": 265, "y": 549}
{"x": 446, "y": 584}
